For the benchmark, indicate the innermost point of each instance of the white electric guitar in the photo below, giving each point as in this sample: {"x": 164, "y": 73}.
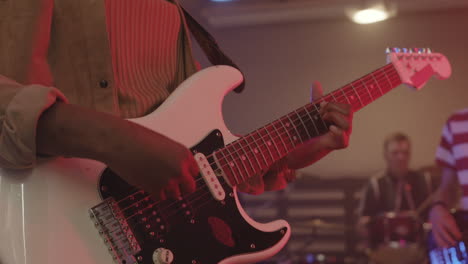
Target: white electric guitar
{"x": 77, "y": 211}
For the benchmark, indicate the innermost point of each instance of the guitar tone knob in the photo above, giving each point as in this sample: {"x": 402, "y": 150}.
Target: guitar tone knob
{"x": 163, "y": 256}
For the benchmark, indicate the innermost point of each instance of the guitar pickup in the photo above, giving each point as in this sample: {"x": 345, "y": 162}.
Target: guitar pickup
{"x": 210, "y": 177}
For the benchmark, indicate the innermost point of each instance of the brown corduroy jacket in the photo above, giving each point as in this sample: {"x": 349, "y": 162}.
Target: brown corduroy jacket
{"x": 57, "y": 50}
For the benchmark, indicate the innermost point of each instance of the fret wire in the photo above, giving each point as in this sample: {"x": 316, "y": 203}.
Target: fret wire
{"x": 235, "y": 163}
{"x": 281, "y": 138}
{"x": 332, "y": 95}
{"x": 377, "y": 83}
{"x": 227, "y": 163}
{"x": 239, "y": 158}
{"x": 312, "y": 120}
{"x": 273, "y": 142}
{"x": 376, "y": 93}
{"x": 398, "y": 79}
{"x": 352, "y": 94}
{"x": 345, "y": 96}
{"x": 352, "y": 86}
{"x": 337, "y": 98}
{"x": 287, "y": 132}
{"x": 266, "y": 146}
{"x": 247, "y": 157}
{"x": 388, "y": 80}
{"x": 254, "y": 154}
{"x": 259, "y": 149}
{"x": 294, "y": 126}
{"x": 318, "y": 112}
{"x": 303, "y": 124}
{"x": 367, "y": 88}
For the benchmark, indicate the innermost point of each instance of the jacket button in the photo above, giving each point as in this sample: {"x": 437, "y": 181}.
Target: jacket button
{"x": 103, "y": 83}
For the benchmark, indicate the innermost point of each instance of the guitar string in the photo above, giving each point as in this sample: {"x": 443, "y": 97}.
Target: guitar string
{"x": 211, "y": 164}
{"x": 267, "y": 151}
{"x": 196, "y": 180}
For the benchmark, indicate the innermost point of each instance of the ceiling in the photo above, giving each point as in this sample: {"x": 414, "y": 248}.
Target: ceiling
{"x": 255, "y": 12}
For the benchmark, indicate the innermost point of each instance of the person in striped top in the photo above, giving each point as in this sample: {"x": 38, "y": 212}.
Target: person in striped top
{"x": 72, "y": 71}
{"x": 452, "y": 157}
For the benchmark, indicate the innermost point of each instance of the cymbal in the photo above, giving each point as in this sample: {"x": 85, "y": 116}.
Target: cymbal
{"x": 318, "y": 223}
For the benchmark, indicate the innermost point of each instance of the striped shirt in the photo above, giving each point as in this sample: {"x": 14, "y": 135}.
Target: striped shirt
{"x": 453, "y": 148}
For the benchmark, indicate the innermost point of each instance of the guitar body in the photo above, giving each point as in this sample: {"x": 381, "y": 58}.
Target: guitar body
{"x": 45, "y": 212}
{"x": 457, "y": 254}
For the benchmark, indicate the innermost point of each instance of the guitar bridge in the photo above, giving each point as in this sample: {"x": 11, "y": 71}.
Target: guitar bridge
{"x": 114, "y": 229}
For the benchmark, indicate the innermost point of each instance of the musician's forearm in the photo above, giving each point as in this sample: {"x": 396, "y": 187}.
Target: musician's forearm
{"x": 70, "y": 130}
{"x": 448, "y": 190}
{"x": 446, "y": 196}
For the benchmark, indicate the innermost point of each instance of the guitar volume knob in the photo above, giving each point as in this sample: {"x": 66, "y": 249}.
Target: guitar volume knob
{"x": 163, "y": 256}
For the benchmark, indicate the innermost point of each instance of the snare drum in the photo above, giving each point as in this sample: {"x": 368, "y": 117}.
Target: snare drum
{"x": 395, "y": 230}
{"x": 396, "y": 238}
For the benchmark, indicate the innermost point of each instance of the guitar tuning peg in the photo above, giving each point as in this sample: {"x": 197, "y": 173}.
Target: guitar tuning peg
{"x": 415, "y": 50}
{"x": 387, "y": 50}
{"x": 428, "y": 50}
{"x": 397, "y": 50}
{"x": 404, "y": 50}
{"x": 422, "y": 50}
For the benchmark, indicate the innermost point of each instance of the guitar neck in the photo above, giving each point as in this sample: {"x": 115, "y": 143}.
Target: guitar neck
{"x": 257, "y": 151}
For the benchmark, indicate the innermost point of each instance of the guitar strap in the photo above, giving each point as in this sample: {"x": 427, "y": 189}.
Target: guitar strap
{"x": 209, "y": 46}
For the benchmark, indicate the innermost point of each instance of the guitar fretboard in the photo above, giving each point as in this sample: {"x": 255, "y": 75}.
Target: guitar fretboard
{"x": 257, "y": 151}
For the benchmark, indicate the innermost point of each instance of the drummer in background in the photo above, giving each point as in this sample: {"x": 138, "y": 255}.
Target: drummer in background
{"x": 396, "y": 189}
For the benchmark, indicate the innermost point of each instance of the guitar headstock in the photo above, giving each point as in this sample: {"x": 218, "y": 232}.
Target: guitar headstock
{"x": 417, "y": 66}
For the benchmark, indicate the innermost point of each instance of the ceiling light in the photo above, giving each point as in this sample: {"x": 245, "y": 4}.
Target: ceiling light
{"x": 371, "y": 13}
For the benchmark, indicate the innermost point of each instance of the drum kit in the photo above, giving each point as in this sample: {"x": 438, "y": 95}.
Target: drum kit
{"x": 391, "y": 238}
{"x": 397, "y": 238}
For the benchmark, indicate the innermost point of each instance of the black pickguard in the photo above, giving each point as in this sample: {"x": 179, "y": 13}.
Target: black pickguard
{"x": 189, "y": 230}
